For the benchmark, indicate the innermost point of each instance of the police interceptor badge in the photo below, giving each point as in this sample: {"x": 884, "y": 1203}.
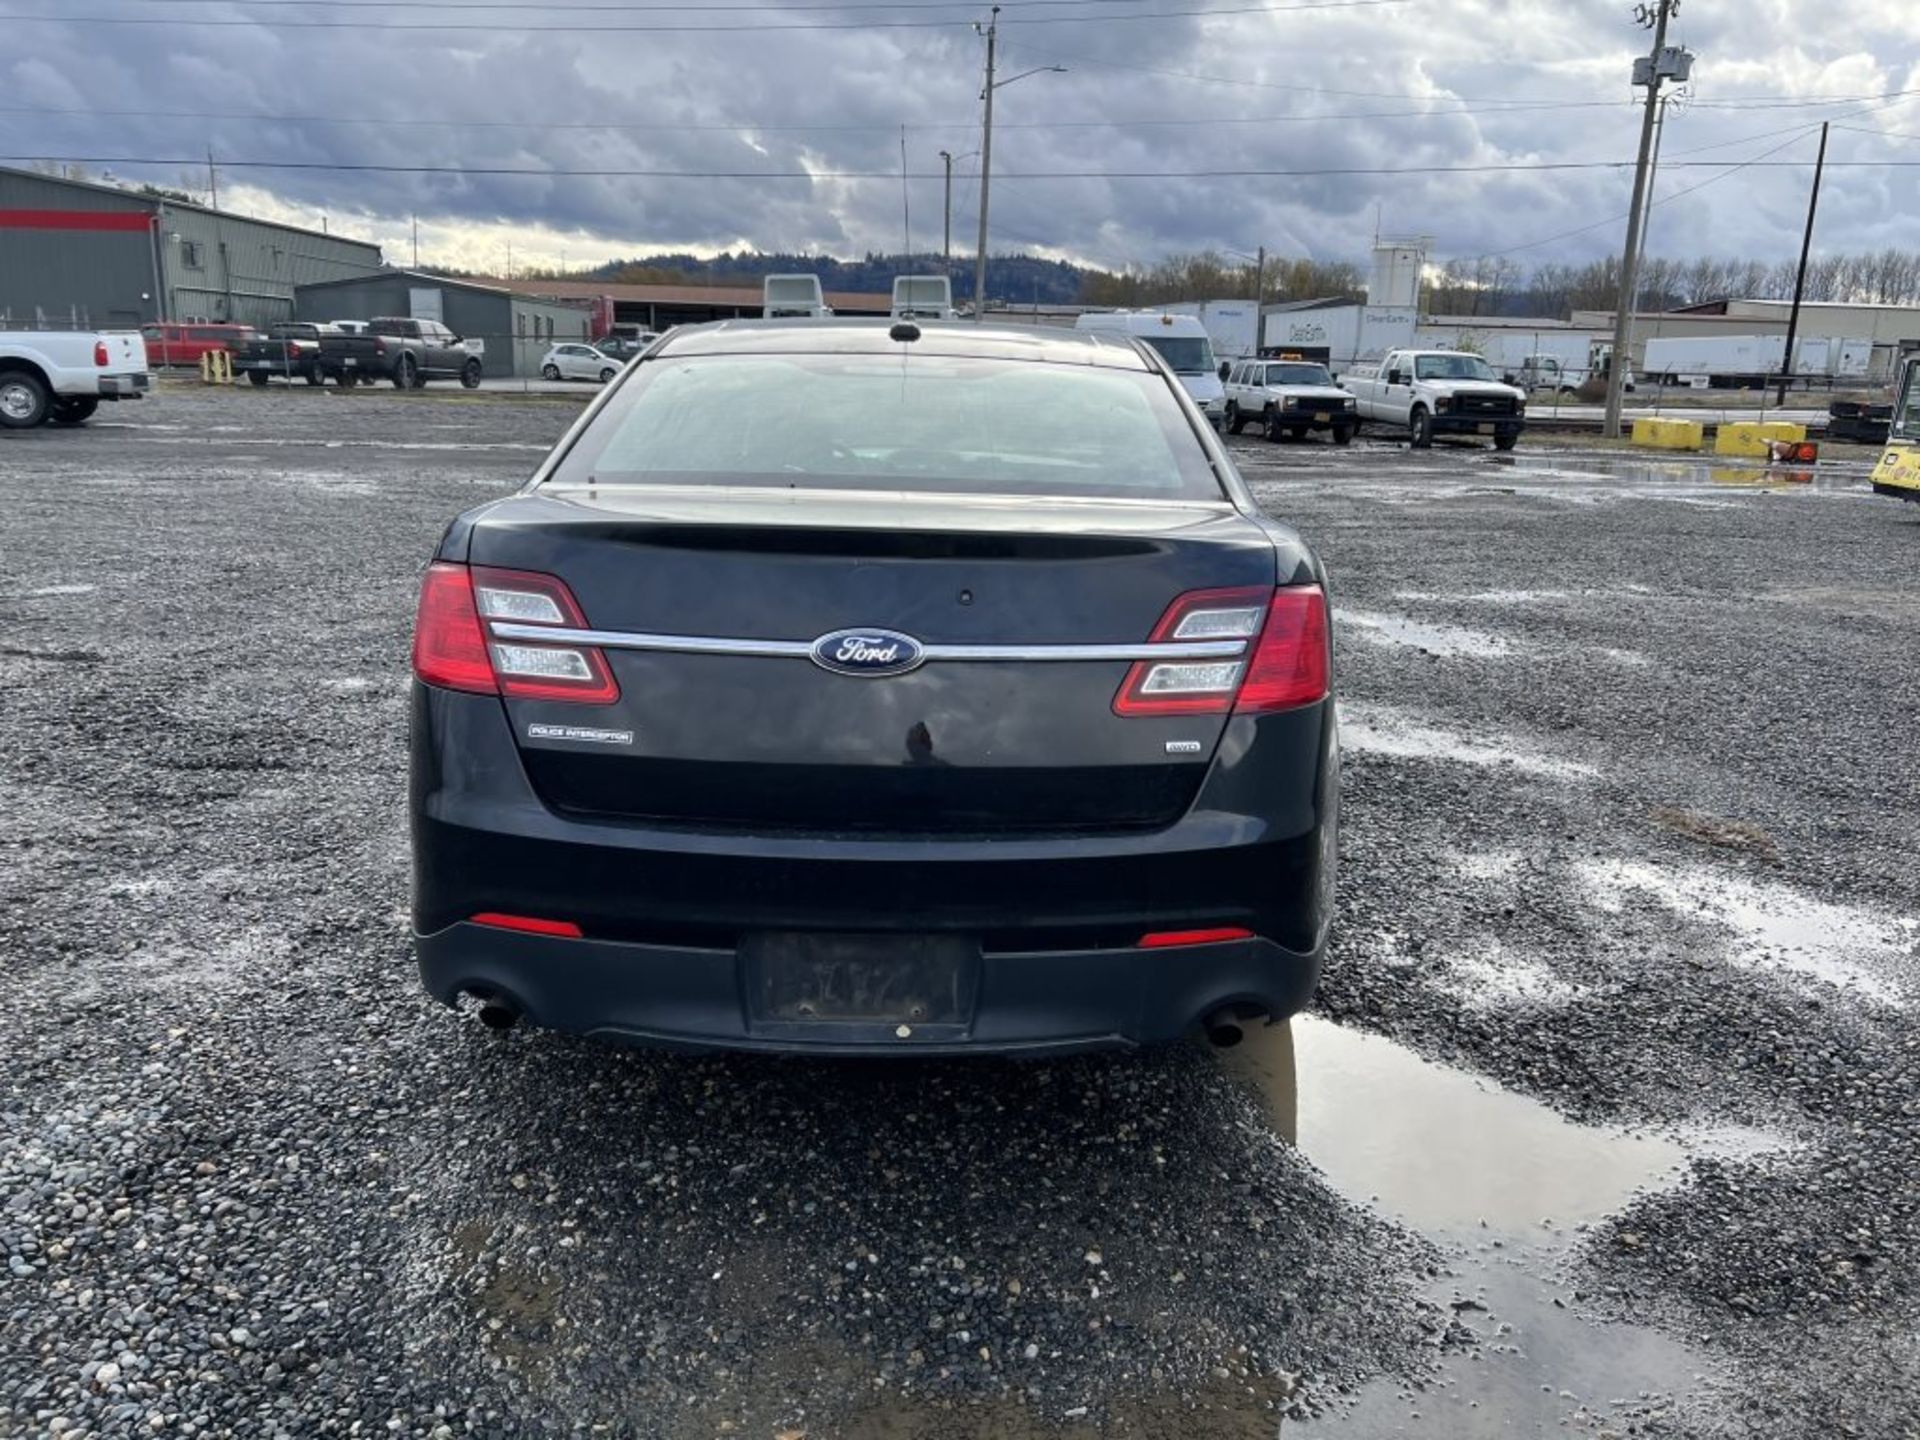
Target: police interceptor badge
{"x": 584, "y": 733}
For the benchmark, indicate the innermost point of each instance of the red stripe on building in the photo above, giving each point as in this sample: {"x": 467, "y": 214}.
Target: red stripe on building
{"x": 75, "y": 219}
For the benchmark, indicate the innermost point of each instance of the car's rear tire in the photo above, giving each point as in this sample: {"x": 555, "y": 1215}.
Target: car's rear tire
{"x": 1421, "y": 424}
{"x": 73, "y": 409}
{"x": 606, "y": 375}
{"x": 258, "y": 377}
{"x": 1506, "y": 442}
{"x": 470, "y": 375}
{"x": 24, "y": 401}
{"x": 313, "y": 377}
{"x": 1343, "y": 434}
{"x": 549, "y": 372}
{"x": 405, "y": 373}
{"x": 1235, "y": 421}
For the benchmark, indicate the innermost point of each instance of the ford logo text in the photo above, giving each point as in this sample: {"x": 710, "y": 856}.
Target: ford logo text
{"x": 868, "y": 652}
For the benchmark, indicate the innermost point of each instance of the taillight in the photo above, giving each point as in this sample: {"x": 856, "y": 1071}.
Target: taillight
{"x": 528, "y": 924}
{"x": 1166, "y": 939}
{"x": 1288, "y": 666}
{"x": 100, "y": 357}
{"x": 448, "y": 648}
{"x": 456, "y": 645}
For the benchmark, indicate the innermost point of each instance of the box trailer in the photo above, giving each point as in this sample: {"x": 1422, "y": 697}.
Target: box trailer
{"x": 922, "y": 297}
{"x": 1749, "y": 361}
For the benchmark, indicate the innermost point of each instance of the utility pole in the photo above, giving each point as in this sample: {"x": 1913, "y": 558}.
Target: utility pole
{"x": 213, "y": 182}
{"x": 416, "y": 242}
{"x": 946, "y": 222}
{"x": 986, "y": 168}
{"x": 1259, "y": 281}
{"x": 1653, "y": 176}
{"x": 992, "y": 32}
{"x": 1800, "y": 276}
{"x": 1658, "y": 65}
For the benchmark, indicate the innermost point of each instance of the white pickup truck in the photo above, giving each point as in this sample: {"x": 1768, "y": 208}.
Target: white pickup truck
{"x": 1439, "y": 392}
{"x": 1289, "y": 397}
{"x": 63, "y": 375}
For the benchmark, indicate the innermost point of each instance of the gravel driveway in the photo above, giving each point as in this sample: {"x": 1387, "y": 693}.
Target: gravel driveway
{"x": 1608, "y": 1117}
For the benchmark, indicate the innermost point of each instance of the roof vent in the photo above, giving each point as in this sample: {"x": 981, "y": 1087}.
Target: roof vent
{"x": 905, "y": 330}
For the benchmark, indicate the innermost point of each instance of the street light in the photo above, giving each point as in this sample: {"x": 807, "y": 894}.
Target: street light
{"x": 986, "y": 155}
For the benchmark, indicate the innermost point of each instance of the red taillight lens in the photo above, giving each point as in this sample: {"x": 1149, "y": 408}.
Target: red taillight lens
{"x": 1290, "y": 665}
{"x": 454, "y": 645}
{"x": 1286, "y": 628}
{"x": 528, "y": 924}
{"x": 448, "y": 647}
{"x": 100, "y": 357}
{"x": 1162, "y": 939}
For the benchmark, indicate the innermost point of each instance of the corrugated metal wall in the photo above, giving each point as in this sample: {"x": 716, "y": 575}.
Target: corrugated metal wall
{"x": 203, "y": 264}
{"x": 225, "y": 267}
{"x": 73, "y": 277}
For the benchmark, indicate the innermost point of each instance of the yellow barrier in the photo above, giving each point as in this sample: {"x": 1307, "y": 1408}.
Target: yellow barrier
{"x": 1669, "y": 434}
{"x": 1752, "y": 438}
{"x": 216, "y": 367}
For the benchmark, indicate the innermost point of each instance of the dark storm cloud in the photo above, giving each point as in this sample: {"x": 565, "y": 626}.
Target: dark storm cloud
{"x": 1448, "y": 60}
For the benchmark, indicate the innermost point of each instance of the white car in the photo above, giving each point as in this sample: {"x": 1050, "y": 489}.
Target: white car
{"x": 579, "y": 361}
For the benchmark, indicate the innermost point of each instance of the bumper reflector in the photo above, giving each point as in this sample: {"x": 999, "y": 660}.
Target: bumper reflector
{"x": 528, "y": 924}
{"x": 1163, "y": 939}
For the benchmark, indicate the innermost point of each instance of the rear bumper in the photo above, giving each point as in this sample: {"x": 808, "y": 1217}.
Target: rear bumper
{"x": 1056, "y": 918}
{"x": 125, "y": 387}
{"x": 1052, "y": 1002}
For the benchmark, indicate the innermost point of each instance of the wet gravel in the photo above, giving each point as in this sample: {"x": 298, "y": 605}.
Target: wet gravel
{"x": 252, "y": 1182}
{"x": 1673, "y": 879}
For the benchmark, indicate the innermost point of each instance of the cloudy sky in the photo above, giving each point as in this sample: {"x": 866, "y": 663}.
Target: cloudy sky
{"x": 777, "y": 125}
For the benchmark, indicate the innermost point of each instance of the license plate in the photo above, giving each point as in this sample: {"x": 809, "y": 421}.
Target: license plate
{"x": 1488, "y": 429}
{"x": 1321, "y": 417}
{"x": 795, "y": 978}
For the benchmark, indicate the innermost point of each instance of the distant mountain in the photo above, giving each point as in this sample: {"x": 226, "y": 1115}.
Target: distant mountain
{"x": 1017, "y": 279}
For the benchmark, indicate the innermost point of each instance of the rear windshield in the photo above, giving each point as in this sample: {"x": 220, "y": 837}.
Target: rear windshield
{"x": 884, "y": 422}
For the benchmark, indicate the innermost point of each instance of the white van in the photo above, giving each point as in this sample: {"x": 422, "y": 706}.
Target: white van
{"x": 1182, "y": 342}
{"x": 793, "y": 297}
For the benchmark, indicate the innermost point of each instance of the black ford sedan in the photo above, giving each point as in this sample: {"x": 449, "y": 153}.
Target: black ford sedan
{"x": 845, "y": 687}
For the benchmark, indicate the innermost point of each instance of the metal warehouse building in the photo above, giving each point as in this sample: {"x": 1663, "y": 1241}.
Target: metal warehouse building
{"x": 515, "y": 330}
{"x": 76, "y": 253}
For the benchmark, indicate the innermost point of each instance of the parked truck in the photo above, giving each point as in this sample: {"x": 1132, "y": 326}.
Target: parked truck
{"x": 1746, "y": 362}
{"x": 1439, "y": 392}
{"x": 793, "y": 297}
{"x": 409, "y": 353}
{"x": 922, "y": 297}
{"x": 61, "y": 376}
{"x": 292, "y": 349}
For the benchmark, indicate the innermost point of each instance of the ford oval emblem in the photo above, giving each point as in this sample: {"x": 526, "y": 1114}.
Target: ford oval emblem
{"x": 868, "y": 652}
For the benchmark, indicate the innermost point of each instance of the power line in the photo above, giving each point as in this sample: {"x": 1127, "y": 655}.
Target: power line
{"x": 552, "y": 172}
{"x": 685, "y": 29}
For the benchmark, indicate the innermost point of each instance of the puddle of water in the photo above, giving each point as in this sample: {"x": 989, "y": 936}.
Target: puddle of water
{"x": 1443, "y": 640}
{"x": 1443, "y": 1150}
{"x": 1775, "y": 927}
{"x": 1376, "y": 730}
{"x": 48, "y": 591}
{"x": 1489, "y": 597}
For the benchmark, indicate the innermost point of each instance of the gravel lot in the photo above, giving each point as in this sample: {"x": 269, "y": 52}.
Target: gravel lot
{"x": 1608, "y": 1119}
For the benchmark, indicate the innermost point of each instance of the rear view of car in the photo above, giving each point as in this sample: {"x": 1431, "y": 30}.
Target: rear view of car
{"x": 838, "y": 692}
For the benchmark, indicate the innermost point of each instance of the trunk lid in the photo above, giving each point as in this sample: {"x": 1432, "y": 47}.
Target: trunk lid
{"x": 764, "y": 741}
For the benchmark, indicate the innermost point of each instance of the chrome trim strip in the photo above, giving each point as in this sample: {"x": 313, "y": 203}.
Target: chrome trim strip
{"x": 803, "y": 649}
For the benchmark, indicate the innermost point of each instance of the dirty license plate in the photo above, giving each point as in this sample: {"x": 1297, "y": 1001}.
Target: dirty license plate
{"x": 1488, "y": 429}
{"x": 795, "y": 978}
{"x": 1321, "y": 417}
